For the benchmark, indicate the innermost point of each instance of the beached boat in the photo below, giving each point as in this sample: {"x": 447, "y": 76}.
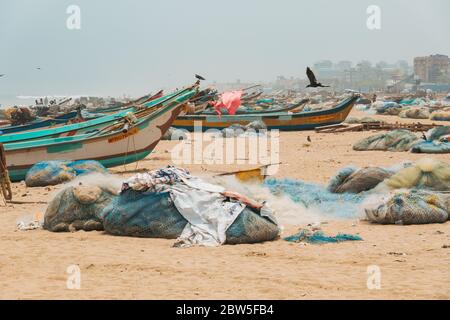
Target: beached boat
{"x": 119, "y": 145}
{"x": 39, "y": 123}
{"x": 291, "y": 107}
{"x": 82, "y": 127}
{"x": 286, "y": 121}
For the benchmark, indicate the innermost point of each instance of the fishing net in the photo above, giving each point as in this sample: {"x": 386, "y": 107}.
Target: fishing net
{"x": 154, "y": 215}
{"x": 20, "y": 116}
{"x": 317, "y": 197}
{"x": 389, "y": 108}
{"x": 77, "y": 208}
{"x": 174, "y": 134}
{"x": 256, "y": 125}
{"x": 396, "y": 140}
{"x": 425, "y": 174}
{"x": 235, "y": 130}
{"x": 436, "y": 133}
{"x": 353, "y": 180}
{"x": 48, "y": 173}
{"x": 415, "y": 113}
{"x": 440, "y": 116}
{"x": 431, "y": 147}
{"x": 412, "y": 207}
{"x": 318, "y": 237}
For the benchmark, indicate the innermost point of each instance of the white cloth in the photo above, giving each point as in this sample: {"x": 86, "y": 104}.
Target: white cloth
{"x": 208, "y": 212}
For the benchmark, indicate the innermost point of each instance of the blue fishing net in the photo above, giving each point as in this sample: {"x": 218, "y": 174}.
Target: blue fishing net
{"x": 48, "y": 173}
{"x": 342, "y": 205}
{"x": 154, "y": 215}
{"x": 440, "y": 116}
{"x": 319, "y": 237}
{"x": 436, "y": 133}
{"x": 143, "y": 214}
{"x": 395, "y": 140}
{"x": 431, "y": 147}
{"x": 352, "y": 180}
{"x": 77, "y": 208}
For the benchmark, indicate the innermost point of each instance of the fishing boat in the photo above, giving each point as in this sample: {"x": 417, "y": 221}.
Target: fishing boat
{"x": 291, "y": 107}
{"x": 118, "y": 145}
{"x": 39, "y": 123}
{"x": 285, "y": 121}
{"x": 89, "y": 126}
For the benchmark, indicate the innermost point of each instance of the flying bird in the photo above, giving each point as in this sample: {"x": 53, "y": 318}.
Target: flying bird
{"x": 39, "y": 68}
{"x": 1, "y": 75}
{"x": 312, "y": 79}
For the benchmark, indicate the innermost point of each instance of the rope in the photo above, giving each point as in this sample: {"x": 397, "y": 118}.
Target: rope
{"x": 5, "y": 182}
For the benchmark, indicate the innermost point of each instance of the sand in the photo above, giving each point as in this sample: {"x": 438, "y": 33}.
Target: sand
{"x": 413, "y": 260}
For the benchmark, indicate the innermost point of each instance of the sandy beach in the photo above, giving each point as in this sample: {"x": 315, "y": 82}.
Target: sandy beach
{"x": 413, "y": 259}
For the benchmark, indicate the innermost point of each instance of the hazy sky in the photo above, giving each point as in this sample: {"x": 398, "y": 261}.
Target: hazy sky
{"x": 137, "y": 46}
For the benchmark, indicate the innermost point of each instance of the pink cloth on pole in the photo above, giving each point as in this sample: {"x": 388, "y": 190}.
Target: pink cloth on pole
{"x": 229, "y": 100}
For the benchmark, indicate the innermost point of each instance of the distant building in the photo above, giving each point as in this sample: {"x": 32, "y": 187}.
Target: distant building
{"x": 431, "y": 68}
{"x": 344, "y": 65}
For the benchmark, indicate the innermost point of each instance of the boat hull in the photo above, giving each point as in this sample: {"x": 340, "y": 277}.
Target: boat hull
{"x": 37, "y": 124}
{"x": 281, "y": 121}
{"x": 111, "y": 150}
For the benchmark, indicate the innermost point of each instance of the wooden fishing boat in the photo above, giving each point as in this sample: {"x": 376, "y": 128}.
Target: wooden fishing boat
{"x": 119, "y": 145}
{"x": 291, "y": 107}
{"x": 39, "y": 123}
{"x": 81, "y": 127}
{"x": 285, "y": 121}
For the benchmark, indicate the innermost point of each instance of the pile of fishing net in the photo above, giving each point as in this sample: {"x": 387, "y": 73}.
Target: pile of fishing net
{"x": 427, "y": 173}
{"x": 389, "y": 108}
{"x": 412, "y": 101}
{"x": 174, "y": 134}
{"x": 20, "y": 116}
{"x": 48, "y": 173}
{"x": 77, "y": 208}
{"x": 438, "y": 141}
{"x": 154, "y": 215}
{"x": 440, "y": 116}
{"x": 432, "y": 147}
{"x": 411, "y": 207}
{"x": 238, "y": 130}
{"x": 437, "y": 133}
{"x": 396, "y": 140}
{"x": 361, "y": 120}
{"x": 415, "y": 113}
{"x": 164, "y": 203}
{"x": 354, "y": 180}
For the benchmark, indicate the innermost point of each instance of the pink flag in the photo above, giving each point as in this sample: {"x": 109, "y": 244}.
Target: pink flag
{"x": 230, "y": 100}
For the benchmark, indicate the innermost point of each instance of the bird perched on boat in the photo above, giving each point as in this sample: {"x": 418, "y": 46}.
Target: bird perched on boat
{"x": 312, "y": 79}
{"x": 199, "y": 77}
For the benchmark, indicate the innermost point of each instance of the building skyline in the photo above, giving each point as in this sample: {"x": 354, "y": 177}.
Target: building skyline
{"x": 433, "y": 68}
